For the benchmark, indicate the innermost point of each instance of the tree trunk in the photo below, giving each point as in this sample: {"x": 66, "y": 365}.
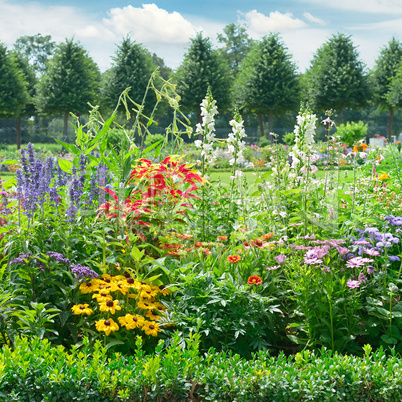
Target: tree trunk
{"x": 270, "y": 121}
{"x": 261, "y": 120}
{"x": 341, "y": 108}
{"x": 19, "y": 133}
{"x": 65, "y": 127}
{"x": 390, "y": 123}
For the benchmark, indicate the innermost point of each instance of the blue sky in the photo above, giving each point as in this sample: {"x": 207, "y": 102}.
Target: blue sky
{"x": 166, "y": 26}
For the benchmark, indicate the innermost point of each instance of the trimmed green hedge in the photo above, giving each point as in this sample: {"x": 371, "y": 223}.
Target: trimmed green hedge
{"x": 36, "y": 371}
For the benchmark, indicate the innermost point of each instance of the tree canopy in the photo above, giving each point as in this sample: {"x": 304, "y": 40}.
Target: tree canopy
{"x": 132, "y": 67}
{"x": 386, "y": 79}
{"x": 69, "y": 84}
{"x": 267, "y": 81}
{"x": 236, "y": 45}
{"x": 336, "y": 78}
{"x": 202, "y": 67}
{"x": 13, "y": 87}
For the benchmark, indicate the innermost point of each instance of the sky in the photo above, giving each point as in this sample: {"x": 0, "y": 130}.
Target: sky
{"x": 165, "y": 27}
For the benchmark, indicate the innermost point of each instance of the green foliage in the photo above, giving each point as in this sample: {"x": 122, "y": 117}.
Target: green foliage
{"x": 37, "y": 49}
{"x": 35, "y": 370}
{"x": 202, "y": 67}
{"x": 70, "y": 82}
{"x": 13, "y": 87}
{"x": 236, "y": 45}
{"x": 289, "y": 139}
{"x": 385, "y": 70}
{"x": 352, "y": 132}
{"x": 132, "y": 68}
{"x": 267, "y": 80}
{"x": 226, "y": 314}
{"x": 337, "y": 78}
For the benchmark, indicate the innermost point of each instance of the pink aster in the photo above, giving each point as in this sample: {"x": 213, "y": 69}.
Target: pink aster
{"x": 353, "y": 284}
{"x": 371, "y": 251}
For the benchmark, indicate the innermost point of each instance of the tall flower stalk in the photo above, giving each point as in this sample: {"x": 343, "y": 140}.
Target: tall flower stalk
{"x": 207, "y": 129}
{"x": 236, "y": 146}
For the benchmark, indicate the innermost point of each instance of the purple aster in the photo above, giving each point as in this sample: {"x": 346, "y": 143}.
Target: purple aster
{"x": 280, "y": 259}
{"x": 353, "y": 284}
{"x": 357, "y": 262}
{"x": 361, "y": 277}
{"x": 273, "y": 268}
{"x": 394, "y": 258}
{"x": 342, "y": 250}
{"x": 371, "y": 251}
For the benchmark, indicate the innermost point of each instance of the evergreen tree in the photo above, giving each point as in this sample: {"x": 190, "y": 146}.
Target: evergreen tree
{"x": 201, "y": 68}
{"x": 13, "y": 87}
{"x": 267, "y": 81}
{"x": 69, "y": 84}
{"x": 132, "y": 67}
{"x": 336, "y": 78}
{"x": 385, "y": 81}
{"x": 237, "y": 45}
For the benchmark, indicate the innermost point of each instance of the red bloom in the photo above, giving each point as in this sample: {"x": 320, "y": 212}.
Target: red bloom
{"x": 254, "y": 280}
{"x": 234, "y": 258}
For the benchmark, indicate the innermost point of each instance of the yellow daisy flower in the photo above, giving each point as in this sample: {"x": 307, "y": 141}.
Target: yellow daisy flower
{"x": 110, "y": 305}
{"x": 102, "y": 297}
{"x": 132, "y": 321}
{"x": 107, "y": 326}
{"x": 151, "y": 328}
{"x": 145, "y": 305}
{"x": 88, "y": 287}
{"x": 81, "y": 309}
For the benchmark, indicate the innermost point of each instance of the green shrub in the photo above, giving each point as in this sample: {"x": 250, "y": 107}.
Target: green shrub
{"x": 289, "y": 139}
{"x": 352, "y": 132}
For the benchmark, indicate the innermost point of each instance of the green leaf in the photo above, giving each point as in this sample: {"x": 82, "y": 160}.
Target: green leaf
{"x": 388, "y": 339}
{"x": 137, "y": 254}
{"x": 70, "y": 147}
{"x": 65, "y": 165}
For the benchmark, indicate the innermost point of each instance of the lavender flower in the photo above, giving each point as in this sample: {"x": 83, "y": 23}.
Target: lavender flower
{"x": 21, "y": 259}
{"x": 58, "y": 257}
{"x": 81, "y": 271}
{"x": 280, "y": 259}
{"x": 394, "y": 258}
{"x": 352, "y": 284}
{"x": 273, "y": 268}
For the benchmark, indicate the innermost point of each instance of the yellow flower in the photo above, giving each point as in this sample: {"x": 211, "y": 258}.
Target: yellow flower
{"x": 383, "y": 176}
{"x": 152, "y": 315}
{"x": 145, "y": 305}
{"x": 107, "y": 326}
{"x": 148, "y": 293}
{"x": 88, "y": 287}
{"x": 102, "y": 297}
{"x": 151, "y": 328}
{"x": 132, "y": 321}
{"x": 81, "y": 309}
{"x": 165, "y": 291}
{"x": 110, "y": 305}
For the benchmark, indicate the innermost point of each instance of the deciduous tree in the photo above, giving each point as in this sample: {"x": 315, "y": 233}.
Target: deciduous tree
{"x": 267, "y": 81}
{"x": 201, "y": 68}
{"x": 69, "y": 84}
{"x": 386, "y": 81}
{"x": 337, "y": 78}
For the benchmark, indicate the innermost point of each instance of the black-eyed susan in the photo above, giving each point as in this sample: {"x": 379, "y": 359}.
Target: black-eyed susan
{"x": 88, "y": 287}
{"x": 151, "y": 328}
{"x": 145, "y": 305}
{"x": 153, "y": 315}
{"x": 164, "y": 290}
{"x": 107, "y": 326}
{"x": 81, "y": 309}
{"x": 102, "y": 297}
{"x": 132, "y": 321}
{"x": 148, "y": 293}
{"x": 110, "y": 305}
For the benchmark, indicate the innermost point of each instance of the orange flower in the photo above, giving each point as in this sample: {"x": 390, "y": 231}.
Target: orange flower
{"x": 254, "y": 280}
{"x": 234, "y": 258}
{"x": 383, "y": 176}
{"x": 223, "y": 238}
{"x": 267, "y": 236}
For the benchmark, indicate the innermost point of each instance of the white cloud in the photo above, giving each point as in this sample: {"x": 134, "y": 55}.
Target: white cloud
{"x": 313, "y": 19}
{"x": 364, "y": 6}
{"x": 150, "y": 24}
{"x": 261, "y": 24}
